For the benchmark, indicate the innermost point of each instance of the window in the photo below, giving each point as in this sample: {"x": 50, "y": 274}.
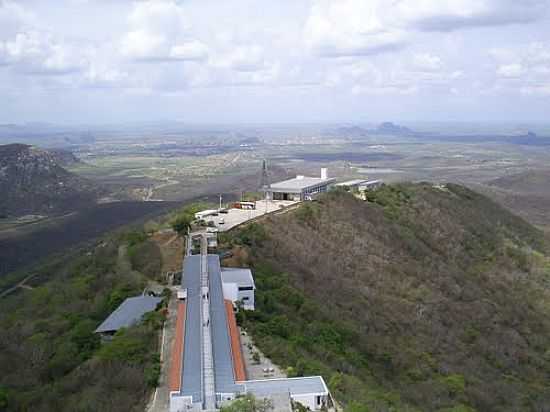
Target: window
{"x": 246, "y": 298}
{"x": 241, "y": 288}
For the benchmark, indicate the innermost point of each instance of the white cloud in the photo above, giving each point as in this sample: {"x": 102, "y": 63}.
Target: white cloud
{"x": 536, "y": 90}
{"x": 513, "y": 70}
{"x": 192, "y": 50}
{"x": 39, "y": 53}
{"x": 360, "y": 27}
{"x": 350, "y": 28}
{"x": 427, "y": 62}
{"x": 437, "y": 15}
{"x": 242, "y": 58}
{"x": 159, "y": 31}
{"x": 13, "y": 18}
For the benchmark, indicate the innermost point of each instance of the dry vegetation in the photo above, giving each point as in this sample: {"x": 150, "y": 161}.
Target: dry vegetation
{"x": 424, "y": 299}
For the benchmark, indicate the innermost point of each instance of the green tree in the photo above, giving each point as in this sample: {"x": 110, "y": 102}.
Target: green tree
{"x": 3, "y": 399}
{"x": 181, "y": 223}
{"x": 248, "y": 403}
{"x": 357, "y": 407}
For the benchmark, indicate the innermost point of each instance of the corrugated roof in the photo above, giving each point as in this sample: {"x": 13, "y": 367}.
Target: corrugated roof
{"x": 223, "y": 361}
{"x": 129, "y": 313}
{"x": 298, "y": 184}
{"x": 191, "y": 376}
{"x": 294, "y": 386}
{"x": 240, "y": 276}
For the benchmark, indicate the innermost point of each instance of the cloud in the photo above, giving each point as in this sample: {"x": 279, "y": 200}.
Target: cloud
{"x": 13, "y": 19}
{"x": 350, "y": 28}
{"x": 427, "y": 62}
{"x": 437, "y": 15}
{"x": 513, "y": 70}
{"x": 242, "y": 58}
{"x": 159, "y": 32}
{"x": 361, "y": 28}
{"x": 39, "y": 53}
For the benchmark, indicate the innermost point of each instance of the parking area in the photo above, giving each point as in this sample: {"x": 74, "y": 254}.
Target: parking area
{"x": 234, "y": 217}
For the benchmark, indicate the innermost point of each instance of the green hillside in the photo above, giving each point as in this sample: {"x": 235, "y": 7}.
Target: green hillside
{"x": 422, "y": 299}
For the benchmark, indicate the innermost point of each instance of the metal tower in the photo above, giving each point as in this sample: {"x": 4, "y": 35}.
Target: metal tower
{"x": 264, "y": 180}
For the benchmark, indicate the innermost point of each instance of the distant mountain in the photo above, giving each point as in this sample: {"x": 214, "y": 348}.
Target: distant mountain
{"x": 392, "y": 128}
{"x": 386, "y": 128}
{"x": 33, "y": 181}
{"x": 352, "y": 131}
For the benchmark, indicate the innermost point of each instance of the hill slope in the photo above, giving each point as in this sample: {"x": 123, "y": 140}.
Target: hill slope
{"x": 33, "y": 182}
{"x": 424, "y": 298}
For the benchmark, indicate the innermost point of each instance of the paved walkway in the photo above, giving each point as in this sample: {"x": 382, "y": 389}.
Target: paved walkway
{"x": 161, "y": 398}
{"x": 265, "y": 369}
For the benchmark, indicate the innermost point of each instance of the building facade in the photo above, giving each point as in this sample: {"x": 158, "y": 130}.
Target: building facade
{"x": 299, "y": 188}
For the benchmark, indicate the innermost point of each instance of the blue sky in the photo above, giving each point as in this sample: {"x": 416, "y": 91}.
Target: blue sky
{"x": 103, "y": 61}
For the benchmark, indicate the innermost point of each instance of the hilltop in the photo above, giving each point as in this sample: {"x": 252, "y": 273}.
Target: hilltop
{"x": 422, "y": 299}
{"x": 34, "y": 181}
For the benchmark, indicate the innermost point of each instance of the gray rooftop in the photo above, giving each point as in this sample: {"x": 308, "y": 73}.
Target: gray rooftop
{"x": 354, "y": 182}
{"x": 191, "y": 383}
{"x": 129, "y": 313}
{"x": 223, "y": 359}
{"x": 240, "y": 276}
{"x": 294, "y": 386}
{"x": 299, "y": 184}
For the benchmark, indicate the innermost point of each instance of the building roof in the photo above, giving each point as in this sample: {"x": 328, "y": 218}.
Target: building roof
{"x": 240, "y": 276}
{"x": 298, "y": 184}
{"x": 354, "y": 182}
{"x": 128, "y": 313}
{"x": 221, "y": 344}
{"x": 191, "y": 381}
{"x": 371, "y": 182}
{"x": 294, "y": 386}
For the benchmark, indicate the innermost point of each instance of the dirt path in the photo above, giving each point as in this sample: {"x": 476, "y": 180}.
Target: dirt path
{"x": 21, "y": 284}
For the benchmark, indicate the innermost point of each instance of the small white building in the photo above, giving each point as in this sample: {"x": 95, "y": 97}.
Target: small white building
{"x": 299, "y": 188}
{"x": 359, "y": 185}
{"x": 205, "y": 213}
{"x": 310, "y": 391}
{"x": 238, "y": 285}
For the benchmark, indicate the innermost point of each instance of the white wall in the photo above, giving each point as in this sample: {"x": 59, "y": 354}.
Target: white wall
{"x": 309, "y": 400}
{"x": 248, "y": 304}
{"x": 230, "y": 291}
{"x": 180, "y": 403}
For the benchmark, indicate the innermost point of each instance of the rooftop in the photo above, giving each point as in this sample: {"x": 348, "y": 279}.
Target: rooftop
{"x": 240, "y": 276}
{"x": 354, "y": 182}
{"x": 191, "y": 382}
{"x": 294, "y": 386}
{"x": 128, "y": 313}
{"x": 300, "y": 183}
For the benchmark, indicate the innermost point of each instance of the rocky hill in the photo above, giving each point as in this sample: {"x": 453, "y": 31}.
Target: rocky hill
{"x": 421, "y": 299}
{"x": 33, "y": 181}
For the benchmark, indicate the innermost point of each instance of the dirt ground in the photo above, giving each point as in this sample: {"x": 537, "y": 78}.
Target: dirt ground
{"x": 171, "y": 246}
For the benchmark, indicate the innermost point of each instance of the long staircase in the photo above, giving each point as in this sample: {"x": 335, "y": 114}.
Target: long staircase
{"x": 209, "y": 388}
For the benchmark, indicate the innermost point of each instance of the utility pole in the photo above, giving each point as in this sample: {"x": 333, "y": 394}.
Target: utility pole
{"x": 220, "y": 202}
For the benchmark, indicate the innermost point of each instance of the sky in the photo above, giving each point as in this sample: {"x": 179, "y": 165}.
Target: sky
{"x": 274, "y": 61}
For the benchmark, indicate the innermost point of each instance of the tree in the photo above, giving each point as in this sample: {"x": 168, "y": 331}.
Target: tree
{"x": 181, "y": 223}
{"x": 3, "y": 399}
{"x": 248, "y": 403}
{"x": 357, "y": 407}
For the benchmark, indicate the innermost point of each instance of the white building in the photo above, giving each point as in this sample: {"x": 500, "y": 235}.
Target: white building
{"x": 238, "y": 285}
{"x": 299, "y": 188}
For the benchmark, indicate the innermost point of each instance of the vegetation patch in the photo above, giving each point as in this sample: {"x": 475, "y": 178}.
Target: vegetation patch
{"x": 418, "y": 299}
